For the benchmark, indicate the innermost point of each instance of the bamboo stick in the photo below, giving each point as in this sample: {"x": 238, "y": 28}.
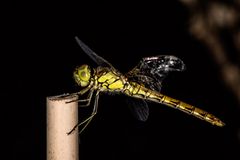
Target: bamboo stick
{"x": 61, "y": 117}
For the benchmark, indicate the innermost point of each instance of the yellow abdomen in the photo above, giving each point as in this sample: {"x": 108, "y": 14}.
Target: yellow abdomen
{"x": 138, "y": 91}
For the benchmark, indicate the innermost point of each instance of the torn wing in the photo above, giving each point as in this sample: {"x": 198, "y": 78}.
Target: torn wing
{"x": 151, "y": 71}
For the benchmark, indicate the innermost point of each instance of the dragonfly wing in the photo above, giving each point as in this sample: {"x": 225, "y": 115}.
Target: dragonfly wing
{"x": 98, "y": 59}
{"x": 147, "y": 81}
{"x": 151, "y": 71}
{"x": 139, "y": 108}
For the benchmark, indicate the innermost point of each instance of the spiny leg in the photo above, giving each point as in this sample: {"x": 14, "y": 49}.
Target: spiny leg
{"x": 88, "y": 99}
{"x": 93, "y": 113}
{"x": 88, "y": 103}
{"x": 88, "y": 120}
{"x": 83, "y": 91}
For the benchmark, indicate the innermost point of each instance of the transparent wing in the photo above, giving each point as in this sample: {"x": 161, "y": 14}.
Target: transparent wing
{"x": 139, "y": 108}
{"x": 98, "y": 59}
{"x": 151, "y": 71}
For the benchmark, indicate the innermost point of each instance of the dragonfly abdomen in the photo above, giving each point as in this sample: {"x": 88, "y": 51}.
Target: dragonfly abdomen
{"x": 192, "y": 110}
{"x": 139, "y": 91}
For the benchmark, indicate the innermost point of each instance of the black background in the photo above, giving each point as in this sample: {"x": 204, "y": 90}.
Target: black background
{"x": 40, "y": 54}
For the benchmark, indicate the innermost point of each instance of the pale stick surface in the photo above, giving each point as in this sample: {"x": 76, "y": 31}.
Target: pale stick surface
{"x": 61, "y": 117}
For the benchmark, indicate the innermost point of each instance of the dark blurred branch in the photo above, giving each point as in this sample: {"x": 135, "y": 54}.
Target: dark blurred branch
{"x": 209, "y": 19}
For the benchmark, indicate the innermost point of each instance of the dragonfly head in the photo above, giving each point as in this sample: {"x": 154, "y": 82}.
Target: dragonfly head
{"x": 82, "y": 75}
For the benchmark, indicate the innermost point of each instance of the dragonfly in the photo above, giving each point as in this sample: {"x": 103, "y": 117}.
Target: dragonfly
{"x": 143, "y": 83}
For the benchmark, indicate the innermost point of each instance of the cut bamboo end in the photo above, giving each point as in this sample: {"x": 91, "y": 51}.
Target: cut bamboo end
{"x": 61, "y": 118}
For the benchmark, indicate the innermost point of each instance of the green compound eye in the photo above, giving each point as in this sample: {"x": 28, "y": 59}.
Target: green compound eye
{"x": 82, "y": 75}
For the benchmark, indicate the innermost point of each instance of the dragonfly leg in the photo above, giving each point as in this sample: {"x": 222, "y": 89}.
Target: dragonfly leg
{"x": 88, "y": 100}
{"x": 83, "y": 91}
{"x": 87, "y": 120}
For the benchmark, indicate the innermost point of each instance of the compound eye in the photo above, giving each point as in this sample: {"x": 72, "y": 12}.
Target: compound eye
{"x": 84, "y": 74}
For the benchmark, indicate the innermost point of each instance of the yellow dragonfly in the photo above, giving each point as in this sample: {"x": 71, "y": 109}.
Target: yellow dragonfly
{"x": 142, "y": 83}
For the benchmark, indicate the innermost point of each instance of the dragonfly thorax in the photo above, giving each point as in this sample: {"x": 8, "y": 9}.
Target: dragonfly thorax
{"x": 82, "y": 75}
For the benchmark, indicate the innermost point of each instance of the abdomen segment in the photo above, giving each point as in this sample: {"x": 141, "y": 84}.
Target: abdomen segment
{"x": 199, "y": 113}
